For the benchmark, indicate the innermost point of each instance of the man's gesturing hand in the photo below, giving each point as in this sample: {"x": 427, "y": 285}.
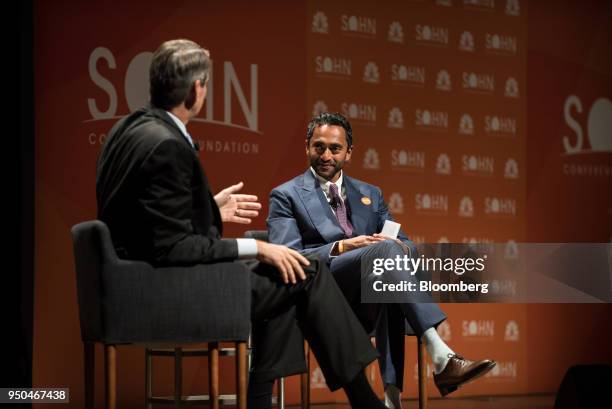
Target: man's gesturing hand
{"x": 237, "y": 208}
{"x": 360, "y": 241}
{"x": 288, "y": 262}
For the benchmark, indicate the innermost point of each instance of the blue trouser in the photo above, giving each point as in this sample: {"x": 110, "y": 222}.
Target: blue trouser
{"x": 387, "y": 321}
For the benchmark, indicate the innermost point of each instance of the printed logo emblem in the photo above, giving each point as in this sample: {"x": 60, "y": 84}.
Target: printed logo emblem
{"x": 363, "y": 113}
{"x": 511, "y": 169}
{"x": 430, "y": 203}
{"x": 443, "y": 164}
{"x": 408, "y": 160}
{"x": 466, "y": 42}
{"x": 512, "y": 88}
{"x": 513, "y": 8}
{"x": 478, "y": 328}
{"x": 370, "y": 160}
{"x": 358, "y": 25}
{"x": 504, "y": 370}
{"x": 370, "y": 73}
{"x": 511, "y": 251}
{"x": 319, "y": 107}
{"x": 478, "y": 82}
{"x": 408, "y": 75}
{"x": 501, "y": 44}
{"x": 431, "y": 120}
{"x": 466, "y": 207}
{"x": 500, "y": 126}
{"x": 443, "y": 82}
{"x": 319, "y": 23}
{"x": 396, "y": 33}
{"x": 500, "y": 206}
{"x": 512, "y": 331}
{"x": 431, "y": 35}
{"x": 597, "y": 125}
{"x": 396, "y": 203}
{"x": 396, "y": 119}
{"x": 477, "y": 165}
{"x": 466, "y": 125}
{"x": 339, "y": 67}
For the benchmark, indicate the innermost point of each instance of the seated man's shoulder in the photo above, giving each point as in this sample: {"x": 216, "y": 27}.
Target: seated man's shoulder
{"x": 364, "y": 186}
{"x": 287, "y": 187}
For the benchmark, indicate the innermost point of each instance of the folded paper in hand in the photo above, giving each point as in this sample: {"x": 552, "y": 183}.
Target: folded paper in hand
{"x": 390, "y": 229}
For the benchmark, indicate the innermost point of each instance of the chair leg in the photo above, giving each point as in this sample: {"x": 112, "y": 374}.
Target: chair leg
{"x": 178, "y": 377}
{"x": 89, "y": 358}
{"x": 422, "y": 370}
{"x": 110, "y": 363}
{"x": 281, "y": 393}
{"x": 305, "y": 379}
{"x": 213, "y": 374}
{"x": 148, "y": 379}
{"x": 241, "y": 375}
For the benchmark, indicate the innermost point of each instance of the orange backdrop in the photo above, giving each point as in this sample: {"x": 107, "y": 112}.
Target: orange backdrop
{"x": 458, "y": 110}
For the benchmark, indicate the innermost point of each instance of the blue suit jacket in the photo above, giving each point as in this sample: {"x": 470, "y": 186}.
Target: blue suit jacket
{"x": 301, "y": 218}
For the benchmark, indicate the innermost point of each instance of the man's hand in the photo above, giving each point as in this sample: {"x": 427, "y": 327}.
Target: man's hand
{"x": 361, "y": 241}
{"x": 398, "y": 241}
{"x": 237, "y": 208}
{"x": 288, "y": 261}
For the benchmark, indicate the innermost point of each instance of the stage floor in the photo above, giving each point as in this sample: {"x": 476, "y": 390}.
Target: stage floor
{"x": 483, "y": 402}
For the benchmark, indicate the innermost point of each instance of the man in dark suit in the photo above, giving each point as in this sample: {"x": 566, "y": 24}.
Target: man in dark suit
{"x": 338, "y": 218}
{"x": 154, "y": 195}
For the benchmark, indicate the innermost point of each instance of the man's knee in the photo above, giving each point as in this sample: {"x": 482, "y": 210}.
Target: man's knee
{"x": 315, "y": 267}
{"x": 388, "y": 248}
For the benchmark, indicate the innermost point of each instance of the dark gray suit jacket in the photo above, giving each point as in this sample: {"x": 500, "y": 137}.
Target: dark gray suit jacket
{"x": 154, "y": 196}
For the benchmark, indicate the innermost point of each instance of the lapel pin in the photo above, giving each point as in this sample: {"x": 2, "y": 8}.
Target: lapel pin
{"x": 366, "y": 201}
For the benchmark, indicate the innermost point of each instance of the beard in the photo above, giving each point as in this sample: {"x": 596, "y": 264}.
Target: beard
{"x": 327, "y": 170}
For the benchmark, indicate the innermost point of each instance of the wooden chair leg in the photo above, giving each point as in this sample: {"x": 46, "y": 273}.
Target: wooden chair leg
{"x": 148, "y": 379}
{"x": 89, "y": 359}
{"x": 241, "y": 375}
{"x": 110, "y": 366}
{"x": 281, "y": 393}
{"x": 178, "y": 377}
{"x": 422, "y": 370}
{"x": 213, "y": 374}
{"x": 305, "y": 379}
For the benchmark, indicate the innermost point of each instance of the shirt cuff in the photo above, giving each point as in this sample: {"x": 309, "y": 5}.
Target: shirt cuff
{"x": 247, "y": 248}
{"x": 333, "y": 251}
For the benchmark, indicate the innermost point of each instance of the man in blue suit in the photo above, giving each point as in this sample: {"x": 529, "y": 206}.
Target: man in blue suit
{"x": 338, "y": 218}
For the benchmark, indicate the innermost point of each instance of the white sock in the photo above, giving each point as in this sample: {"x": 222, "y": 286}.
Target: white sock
{"x": 393, "y": 399}
{"x": 437, "y": 349}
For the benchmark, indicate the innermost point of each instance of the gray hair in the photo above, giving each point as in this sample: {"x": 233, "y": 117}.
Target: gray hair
{"x": 175, "y": 66}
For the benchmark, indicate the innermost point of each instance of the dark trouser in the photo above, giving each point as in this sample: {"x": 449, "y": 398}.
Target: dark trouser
{"x": 349, "y": 270}
{"x": 283, "y": 315}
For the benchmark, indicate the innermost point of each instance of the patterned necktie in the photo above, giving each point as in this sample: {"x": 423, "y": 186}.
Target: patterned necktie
{"x": 338, "y": 205}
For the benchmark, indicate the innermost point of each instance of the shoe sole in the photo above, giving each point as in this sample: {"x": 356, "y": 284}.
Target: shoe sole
{"x": 445, "y": 390}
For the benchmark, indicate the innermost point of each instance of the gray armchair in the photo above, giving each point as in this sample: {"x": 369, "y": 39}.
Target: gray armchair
{"x": 131, "y": 302}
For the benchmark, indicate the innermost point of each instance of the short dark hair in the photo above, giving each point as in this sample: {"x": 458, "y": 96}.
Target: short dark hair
{"x": 175, "y": 66}
{"x": 330, "y": 118}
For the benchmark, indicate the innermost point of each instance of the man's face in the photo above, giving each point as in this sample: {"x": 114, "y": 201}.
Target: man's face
{"x": 328, "y": 150}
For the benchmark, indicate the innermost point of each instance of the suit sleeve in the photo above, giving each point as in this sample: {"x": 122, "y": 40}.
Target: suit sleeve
{"x": 167, "y": 202}
{"x": 384, "y": 214}
{"x": 283, "y": 227}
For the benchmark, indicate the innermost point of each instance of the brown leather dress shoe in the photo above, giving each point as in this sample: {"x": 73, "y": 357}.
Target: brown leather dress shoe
{"x": 458, "y": 371}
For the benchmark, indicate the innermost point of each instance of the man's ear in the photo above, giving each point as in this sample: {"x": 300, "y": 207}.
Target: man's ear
{"x": 306, "y": 145}
{"x": 191, "y": 97}
{"x": 349, "y": 152}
